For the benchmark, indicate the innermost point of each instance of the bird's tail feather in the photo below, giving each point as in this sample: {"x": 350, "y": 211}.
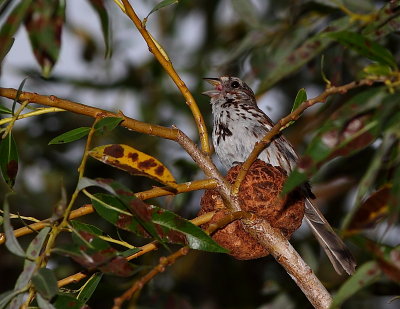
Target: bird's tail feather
{"x": 337, "y": 252}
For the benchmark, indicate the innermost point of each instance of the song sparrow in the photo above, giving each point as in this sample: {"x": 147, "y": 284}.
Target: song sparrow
{"x": 238, "y": 125}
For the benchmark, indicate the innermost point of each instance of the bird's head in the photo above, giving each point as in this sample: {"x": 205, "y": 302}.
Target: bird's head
{"x": 229, "y": 87}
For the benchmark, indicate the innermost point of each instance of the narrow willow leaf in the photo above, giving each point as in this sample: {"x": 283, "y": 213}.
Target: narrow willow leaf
{"x": 70, "y": 136}
{"x": 133, "y": 161}
{"x": 85, "y": 182}
{"x": 44, "y": 24}
{"x": 43, "y": 302}
{"x": 160, "y": 5}
{"x": 93, "y": 252}
{"x": 101, "y": 11}
{"x": 12, "y": 243}
{"x": 300, "y": 98}
{"x": 45, "y": 283}
{"x": 364, "y": 276}
{"x": 11, "y": 26}
{"x": 6, "y": 297}
{"x": 351, "y": 128}
{"x": 372, "y": 210}
{"x": 149, "y": 219}
{"x": 9, "y": 159}
{"x": 89, "y": 287}
{"x": 5, "y": 110}
{"x": 365, "y": 47}
{"x": 68, "y": 301}
{"x": 33, "y": 251}
{"x": 107, "y": 124}
{"x": 19, "y": 91}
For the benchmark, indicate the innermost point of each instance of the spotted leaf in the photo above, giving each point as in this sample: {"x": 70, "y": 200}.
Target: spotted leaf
{"x": 133, "y": 161}
{"x": 44, "y": 23}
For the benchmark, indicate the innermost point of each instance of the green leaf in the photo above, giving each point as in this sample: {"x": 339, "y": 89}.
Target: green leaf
{"x": 365, "y": 47}
{"x": 33, "y": 251}
{"x": 70, "y": 136}
{"x": 11, "y": 26}
{"x": 5, "y": 110}
{"x": 351, "y": 128}
{"x": 364, "y": 276}
{"x": 19, "y": 91}
{"x": 93, "y": 252}
{"x": 160, "y": 5}
{"x": 89, "y": 287}
{"x": 45, "y": 283}
{"x": 44, "y": 24}
{"x": 300, "y": 98}
{"x": 12, "y": 243}
{"x": 85, "y": 182}
{"x": 101, "y": 11}
{"x": 9, "y": 159}
{"x": 6, "y": 297}
{"x": 377, "y": 69}
{"x": 43, "y": 302}
{"x": 149, "y": 219}
{"x": 64, "y": 301}
{"x": 295, "y": 53}
{"x": 107, "y": 124}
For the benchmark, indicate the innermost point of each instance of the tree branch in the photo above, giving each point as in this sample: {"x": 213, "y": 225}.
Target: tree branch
{"x": 168, "y": 67}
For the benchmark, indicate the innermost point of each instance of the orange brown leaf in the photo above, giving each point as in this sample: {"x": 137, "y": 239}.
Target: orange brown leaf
{"x": 133, "y": 161}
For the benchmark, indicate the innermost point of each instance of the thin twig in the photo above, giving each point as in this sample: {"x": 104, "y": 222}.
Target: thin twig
{"x": 168, "y": 67}
{"x": 164, "y": 262}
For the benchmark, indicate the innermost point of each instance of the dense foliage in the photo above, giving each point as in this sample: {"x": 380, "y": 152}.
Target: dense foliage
{"x": 87, "y": 202}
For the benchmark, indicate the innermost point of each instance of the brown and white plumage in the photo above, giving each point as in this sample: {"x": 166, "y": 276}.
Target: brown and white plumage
{"x": 238, "y": 125}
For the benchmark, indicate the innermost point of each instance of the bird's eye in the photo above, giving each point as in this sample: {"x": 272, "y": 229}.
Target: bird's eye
{"x": 235, "y": 84}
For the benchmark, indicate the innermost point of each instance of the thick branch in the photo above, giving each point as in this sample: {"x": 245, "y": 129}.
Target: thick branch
{"x": 271, "y": 238}
{"x": 77, "y": 108}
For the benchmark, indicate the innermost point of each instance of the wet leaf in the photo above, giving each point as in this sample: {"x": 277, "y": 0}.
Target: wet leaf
{"x": 101, "y": 11}
{"x": 9, "y": 159}
{"x": 70, "y": 136}
{"x": 11, "y": 26}
{"x": 45, "y": 283}
{"x": 133, "y": 161}
{"x": 44, "y": 23}
{"x": 371, "y": 211}
{"x": 12, "y": 243}
{"x": 364, "y": 276}
{"x": 89, "y": 287}
{"x": 160, "y": 5}
{"x": 365, "y": 47}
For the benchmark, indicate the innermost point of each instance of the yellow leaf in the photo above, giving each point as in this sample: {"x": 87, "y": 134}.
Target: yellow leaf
{"x": 133, "y": 161}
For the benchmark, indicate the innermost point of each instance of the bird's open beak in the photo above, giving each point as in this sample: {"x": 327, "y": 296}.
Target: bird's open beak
{"x": 215, "y": 82}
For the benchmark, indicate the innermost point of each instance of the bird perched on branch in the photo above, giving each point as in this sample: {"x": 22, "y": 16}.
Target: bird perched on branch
{"x": 238, "y": 125}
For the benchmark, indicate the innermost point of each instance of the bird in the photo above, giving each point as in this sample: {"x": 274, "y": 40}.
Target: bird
{"x": 238, "y": 125}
